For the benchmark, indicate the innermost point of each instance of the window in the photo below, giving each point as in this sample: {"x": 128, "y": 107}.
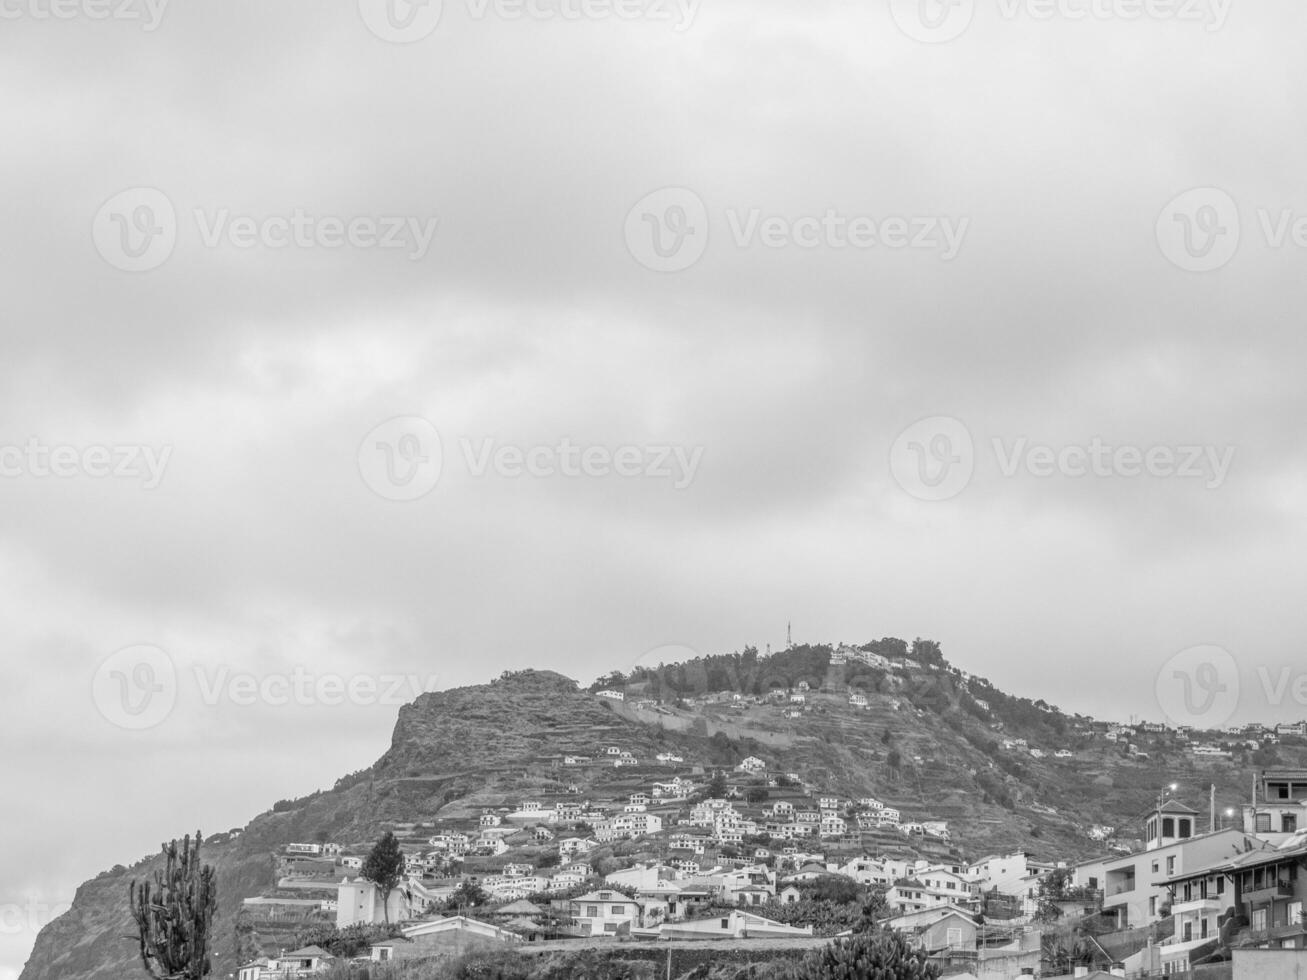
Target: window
{"x": 1168, "y": 827}
{"x": 1263, "y": 823}
{"x": 619, "y": 910}
{"x": 1289, "y": 823}
{"x": 384, "y": 953}
{"x": 592, "y": 911}
{"x": 1152, "y": 905}
{"x": 1295, "y": 913}
{"x": 1220, "y": 886}
{"x": 726, "y": 923}
{"x": 1170, "y": 865}
{"x": 1259, "y": 920}
{"x": 1202, "y": 932}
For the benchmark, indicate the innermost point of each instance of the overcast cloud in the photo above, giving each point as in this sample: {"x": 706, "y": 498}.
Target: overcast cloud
{"x": 753, "y": 398}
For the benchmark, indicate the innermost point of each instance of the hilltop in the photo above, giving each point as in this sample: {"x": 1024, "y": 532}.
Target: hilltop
{"x": 890, "y": 720}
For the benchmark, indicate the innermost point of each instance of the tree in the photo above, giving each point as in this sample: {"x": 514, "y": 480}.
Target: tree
{"x": 467, "y": 895}
{"x": 833, "y": 888}
{"x": 174, "y": 916}
{"x": 883, "y": 955}
{"x": 717, "y": 785}
{"x": 756, "y": 794}
{"x": 384, "y": 867}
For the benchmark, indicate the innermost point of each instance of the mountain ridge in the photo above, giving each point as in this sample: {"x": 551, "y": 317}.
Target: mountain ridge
{"x": 921, "y": 745}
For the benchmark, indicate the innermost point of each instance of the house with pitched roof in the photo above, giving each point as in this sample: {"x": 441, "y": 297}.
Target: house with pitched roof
{"x": 451, "y": 936}
{"x": 604, "y": 913}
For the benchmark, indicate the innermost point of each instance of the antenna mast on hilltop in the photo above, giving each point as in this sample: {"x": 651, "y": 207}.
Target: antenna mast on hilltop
{"x": 789, "y": 637}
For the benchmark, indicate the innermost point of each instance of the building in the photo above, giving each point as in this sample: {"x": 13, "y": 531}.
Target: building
{"x": 947, "y": 927}
{"x": 359, "y": 902}
{"x": 1269, "y": 890}
{"x": 604, "y": 913}
{"x": 1282, "y": 810}
{"x": 288, "y": 966}
{"x": 1269, "y": 964}
{"x": 453, "y": 936}
{"x": 733, "y": 925}
{"x": 1134, "y": 887}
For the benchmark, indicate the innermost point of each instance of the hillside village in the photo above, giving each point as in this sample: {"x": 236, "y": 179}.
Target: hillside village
{"x": 620, "y": 845}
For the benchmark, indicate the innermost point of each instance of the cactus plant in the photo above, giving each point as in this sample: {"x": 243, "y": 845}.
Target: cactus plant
{"x": 872, "y": 955}
{"x": 174, "y": 914}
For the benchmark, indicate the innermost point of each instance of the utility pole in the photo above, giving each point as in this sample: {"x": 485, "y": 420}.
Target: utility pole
{"x": 1213, "y": 808}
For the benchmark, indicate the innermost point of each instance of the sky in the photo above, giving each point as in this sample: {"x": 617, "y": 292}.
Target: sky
{"x": 351, "y": 350}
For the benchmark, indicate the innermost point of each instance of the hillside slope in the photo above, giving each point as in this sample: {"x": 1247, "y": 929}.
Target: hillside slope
{"x": 920, "y": 745}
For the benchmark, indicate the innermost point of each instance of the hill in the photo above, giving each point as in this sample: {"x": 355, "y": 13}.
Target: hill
{"x": 928, "y": 741}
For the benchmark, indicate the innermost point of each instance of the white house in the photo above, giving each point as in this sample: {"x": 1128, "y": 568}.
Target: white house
{"x": 733, "y": 925}
{"x": 297, "y": 963}
{"x": 603, "y": 913}
{"x": 359, "y": 902}
{"x": 611, "y": 695}
{"x": 441, "y": 935}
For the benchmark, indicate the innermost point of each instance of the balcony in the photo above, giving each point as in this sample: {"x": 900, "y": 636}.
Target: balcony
{"x": 1197, "y": 906}
{"x": 1270, "y": 893}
